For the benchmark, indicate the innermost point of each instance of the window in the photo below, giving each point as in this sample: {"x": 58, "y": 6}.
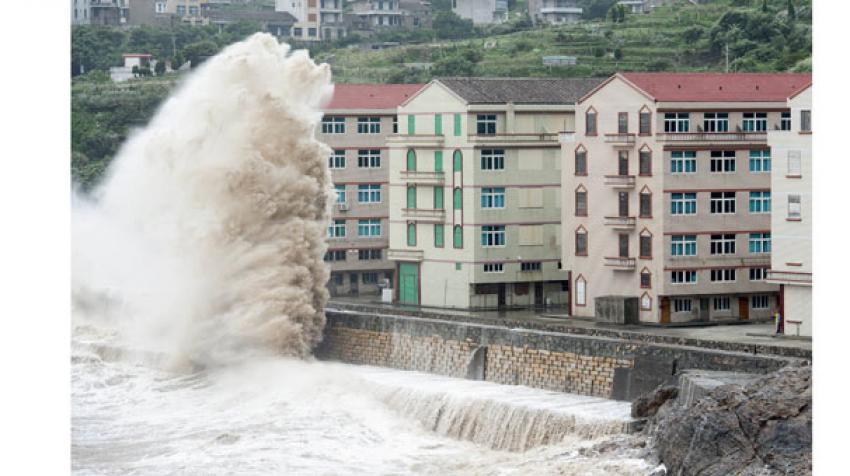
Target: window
{"x": 181, "y": 10}
{"x": 160, "y": 7}
{"x": 486, "y": 124}
{"x": 683, "y": 277}
{"x": 755, "y": 122}
{"x": 370, "y": 278}
{"x": 337, "y": 159}
{"x": 458, "y": 198}
{"x": 623, "y": 123}
{"x": 722, "y": 303}
{"x": 335, "y": 255}
{"x": 492, "y": 235}
{"x": 590, "y": 122}
{"x": 494, "y": 268}
{"x": 645, "y": 162}
{"x": 761, "y": 301}
{"x": 794, "y": 207}
{"x": 458, "y": 237}
{"x": 411, "y": 234}
{"x": 795, "y": 163}
{"x": 645, "y": 279}
{"x": 645, "y": 302}
{"x": 369, "y": 254}
{"x": 438, "y": 161}
{"x": 411, "y": 196}
{"x": 676, "y": 122}
{"x": 395, "y": 124}
{"x": 760, "y": 160}
{"x": 805, "y": 121}
{"x": 645, "y": 246}
{"x": 368, "y": 194}
{"x": 193, "y": 11}
{"x": 438, "y": 198}
{"x": 758, "y": 274}
{"x": 439, "y": 229}
{"x": 492, "y": 159}
{"x": 759, "y": 202}
{"x": 682, "y": 305}
{"x": 457, "y": 161}
{"x": 492, "y": 197}
{"x": 785, "y": 121}
{"x": 333, "y": 125}
{"x": 531, "y": 266}
{"x": 716, "y": 122}
{"x": 683, "y": 245}
{"x": 581, "y": 291}
{"x": 368, "y": 125}
{"x": 581, "y": 162}
{"x": 411, "y": 124}
{"x": 411, "y": 160}
{"x": 645, "y": 204}
{"x": 458, "y": 127}
{"x": 722, "y": 203}
{"x": 369, "y": 227}
{"x": 644, "y": 123}
{"x": 723, "y": 244}
{"x": 683, "y": 162}
{"x": 581, "y": 203}
{"x": 369, "y": 158}
{"x": 759, "y": 243}
{"x": 725, "y": 275}
{"x": 438, "y": 124}
{"x": 336, "y": 229}
{"x": 722, "y": 161}
{"x": 340, "y": 193}
{"x": 683, "y": 203}
{"x": 581, "y": 242}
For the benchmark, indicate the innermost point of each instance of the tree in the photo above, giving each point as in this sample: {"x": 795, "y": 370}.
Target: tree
{"x": 764, "y": 6}
{"x": 159, "y": 69}
{"x": 135, "y": 71}
{"x": 618, "y": 54}
{"x": 453, "y": 66}
{"x": 198, "y": 52}
{"x": 447, "y": 25}
{"x": 792, "y": 12}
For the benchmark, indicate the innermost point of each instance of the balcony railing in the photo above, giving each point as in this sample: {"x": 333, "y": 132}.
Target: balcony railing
{"x": 405, "y": 255}
{"x": 422, "y": 140}
{"x": 562, "y": 10}
{"x": 516, "y": 139}
{"x": 620, "y": 264}
{"x": 620, "y": 140}
{"x": 424, "y": 214}
{"x": 422, "y": 177}
{"x": 620, "y": 181}
{"x": 567, "y": 137}
{"x": 621, "y": 223}
{"x": 741, "y": 137}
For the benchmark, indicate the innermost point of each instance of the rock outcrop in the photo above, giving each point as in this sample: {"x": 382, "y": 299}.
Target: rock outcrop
{"x": 753, "y": 426}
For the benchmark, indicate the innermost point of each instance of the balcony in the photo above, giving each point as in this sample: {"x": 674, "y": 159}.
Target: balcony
{"x": 405, "y": 255}
{"x": 625, "y": 140}
{"x": 716, "y": 138}
{"x": 422, "y": 177}
{"x": 621, "y": 223}
{"x": 620, "y": 181}
{"x": 567, "y": 137}
{"x": 424, "y": 215}
{"x": 620, "y": 264}
{"x": 416, "y": 140}
{"x": 535, "y": 139}
{"x": 561, "y": 10}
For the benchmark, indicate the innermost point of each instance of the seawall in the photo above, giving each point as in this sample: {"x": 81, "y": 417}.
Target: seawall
{"x": 604, "y": 366}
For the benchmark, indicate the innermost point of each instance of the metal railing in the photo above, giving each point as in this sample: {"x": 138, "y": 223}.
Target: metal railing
{"x": 712, "y": 137}
{"x": 626, "y": 264}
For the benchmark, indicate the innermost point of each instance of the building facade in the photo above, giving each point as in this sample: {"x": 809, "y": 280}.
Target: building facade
{"x": 481, "y": 12}
{"x": 554, "y": 11}
{"x": 667, "y": 194}
{"x": 791, "y": 216}
{"x": 316, "y": 20}
{"x": 356, "y": 125}
{"x": 100, "y": 12}
{"x": 475, "y": 192}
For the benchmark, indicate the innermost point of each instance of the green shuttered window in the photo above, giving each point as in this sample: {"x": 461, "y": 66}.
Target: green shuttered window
{"x": 438, "y": 235}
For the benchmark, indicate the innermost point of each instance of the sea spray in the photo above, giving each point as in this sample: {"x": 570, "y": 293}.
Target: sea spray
{"x": 205, "y": 240}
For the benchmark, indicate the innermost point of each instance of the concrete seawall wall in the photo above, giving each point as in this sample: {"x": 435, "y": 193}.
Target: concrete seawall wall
{"x": 580, "y": 364}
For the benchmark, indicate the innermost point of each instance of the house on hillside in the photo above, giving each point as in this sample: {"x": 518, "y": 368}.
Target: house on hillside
{"x": 481, "y": 12}
{"x": 554, "y": 11}
{"x": 100, "y": 12}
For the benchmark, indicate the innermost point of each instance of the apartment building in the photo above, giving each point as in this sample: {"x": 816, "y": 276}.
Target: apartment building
{"x": 192, "y": 12}
{"x": 667, "y": 193}
{"x": 357, "y": 122}
{"x": 791, "y": 216}
{"x": 316, "y": 20}
{"x": 554, "y": 12}
{"x": 99, "y": 12}
{"x": 475, "y": 192}
{"x": 481, "y": 12}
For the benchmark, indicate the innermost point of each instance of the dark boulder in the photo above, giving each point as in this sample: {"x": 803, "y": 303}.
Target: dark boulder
{"x": 647, "y": 405}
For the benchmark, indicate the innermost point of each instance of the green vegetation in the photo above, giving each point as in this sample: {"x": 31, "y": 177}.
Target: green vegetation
{"x": 759, "y": 35}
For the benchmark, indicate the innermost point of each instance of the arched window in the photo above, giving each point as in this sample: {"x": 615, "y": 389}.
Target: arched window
{"x": 644, "y": 121}
{"x": 581, "y": 201}
{"x": 581, "y": 241}
{"x": 411, "y": 160}
{"x": 458, "y": 161}
{"x": 458, "y": 237}
{"x": 411, "y": 196}
{"x": 590, "y": 122}
{"x": 581, "y": 291}
{"x": 581, "y": 160}
{"x": 458, "y": 198}
{"x": 411, "y": 234}
{"x": 645, "y": 161}
{"x": 645, "y": 278}
{"x": 645, "y": 244}
{"x": 645, "y": 208}
{"x": 646, "y": 302}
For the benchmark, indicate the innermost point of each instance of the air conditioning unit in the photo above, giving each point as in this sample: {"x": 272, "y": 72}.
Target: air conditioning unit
{"x": 343, "y": 207}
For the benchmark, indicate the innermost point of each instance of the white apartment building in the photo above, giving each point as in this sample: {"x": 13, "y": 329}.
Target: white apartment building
{"x": 475, "y": 192}
{"x": 316, "y": 19}
{"x": 481, "y": 12}
{"x": 667, "y": 193}
{"x": 791, "y": 216}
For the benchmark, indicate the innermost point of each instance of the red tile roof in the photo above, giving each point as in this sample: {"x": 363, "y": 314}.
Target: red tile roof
{"x": 371, "y": 96}
{"x": 720, "y": 87}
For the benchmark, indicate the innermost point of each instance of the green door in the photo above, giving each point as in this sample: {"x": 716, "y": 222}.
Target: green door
{"x": 408, "y": 283}
{"x": 438, "y": 161}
